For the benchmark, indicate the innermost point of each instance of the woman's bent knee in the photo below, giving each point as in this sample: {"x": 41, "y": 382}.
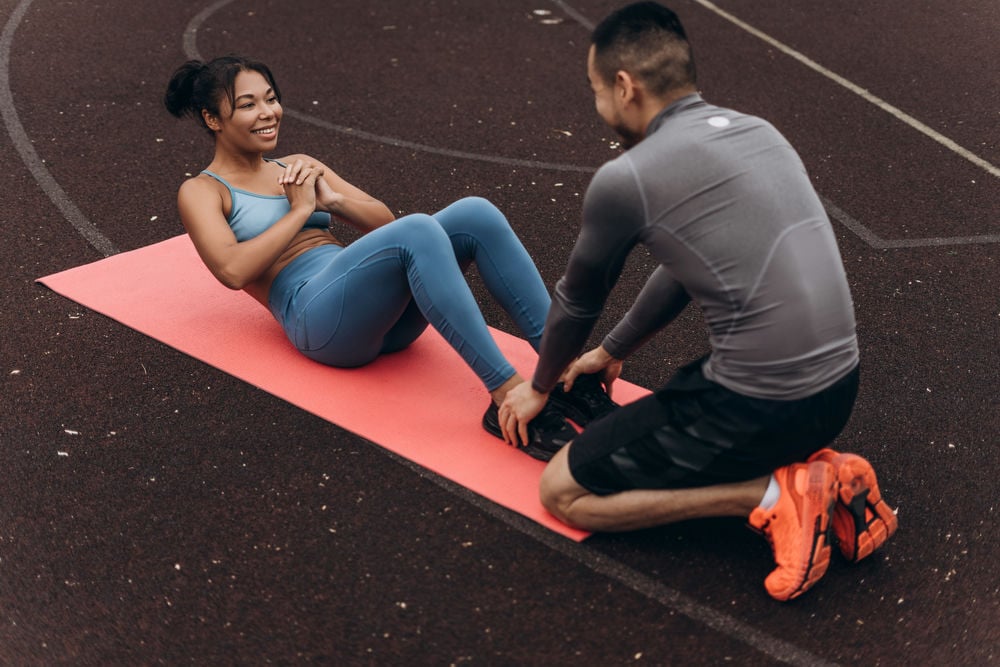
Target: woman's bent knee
{"x": 420, "y": 234}
{"x": 472, "y": 215}
{"x": 420, "y": 223}
{"x": 480, "y": 204}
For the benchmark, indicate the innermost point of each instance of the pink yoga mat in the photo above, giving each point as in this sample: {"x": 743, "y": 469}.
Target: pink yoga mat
{"x": 422, "y": 403}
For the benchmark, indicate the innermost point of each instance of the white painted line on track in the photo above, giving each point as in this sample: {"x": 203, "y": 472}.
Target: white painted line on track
{"x": 857, "y": 90}
{"x": 724, "y": 624}
{"x": 30, "y": 157}
{"x": 424, "y": 148}
{"x": 876, "y": 241}
{"x": 575, "y": 15}
{"x": 859, "y": 229}
{"x": 190, "y": 40}
{"x": 596, "y": 562}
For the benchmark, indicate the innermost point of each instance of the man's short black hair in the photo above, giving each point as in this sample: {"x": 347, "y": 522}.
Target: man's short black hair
{"x": 648, "y": 41}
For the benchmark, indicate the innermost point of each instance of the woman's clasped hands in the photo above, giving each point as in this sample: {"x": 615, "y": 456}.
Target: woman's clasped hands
{"x": 304, "y": 185}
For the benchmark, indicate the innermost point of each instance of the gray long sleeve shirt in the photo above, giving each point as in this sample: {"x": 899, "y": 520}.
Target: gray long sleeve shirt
{"x": 724, "y": 204}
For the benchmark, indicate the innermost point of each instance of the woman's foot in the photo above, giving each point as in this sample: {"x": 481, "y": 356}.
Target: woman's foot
{"x": 587, "y": 401}
{"x": 547, "y": 433}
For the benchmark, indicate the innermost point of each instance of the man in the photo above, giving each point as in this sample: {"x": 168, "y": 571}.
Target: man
{"x": 723, "y": 203}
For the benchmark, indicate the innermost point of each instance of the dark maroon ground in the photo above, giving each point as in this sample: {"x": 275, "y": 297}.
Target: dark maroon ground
{"x": 198, "y": 520}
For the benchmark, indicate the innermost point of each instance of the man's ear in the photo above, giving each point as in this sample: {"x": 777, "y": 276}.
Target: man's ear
{"x": 625, "y": 87}
{"x": 211, "y": 121}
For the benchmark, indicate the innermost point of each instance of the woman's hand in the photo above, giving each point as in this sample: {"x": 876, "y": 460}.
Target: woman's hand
{"x": 341, "y": 199}
{"x": 299, "y": 183}
{"x": 326, "y": 198}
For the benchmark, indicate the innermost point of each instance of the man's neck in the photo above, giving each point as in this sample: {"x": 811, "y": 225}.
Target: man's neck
{"x": 655, "y": 105}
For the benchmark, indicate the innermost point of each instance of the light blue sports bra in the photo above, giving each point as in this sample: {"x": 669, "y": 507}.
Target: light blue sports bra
{"x": 252, "y": 213}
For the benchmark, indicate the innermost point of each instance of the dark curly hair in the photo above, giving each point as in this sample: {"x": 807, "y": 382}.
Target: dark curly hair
{"x": 196, "y": 85}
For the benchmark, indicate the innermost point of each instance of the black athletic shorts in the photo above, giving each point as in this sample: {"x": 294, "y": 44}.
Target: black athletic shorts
{"x": 695, "y": 432}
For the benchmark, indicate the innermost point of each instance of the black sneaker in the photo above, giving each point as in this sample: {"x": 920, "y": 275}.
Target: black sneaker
{"x": 549, "y": 431}
{"x": 585, "y": 402}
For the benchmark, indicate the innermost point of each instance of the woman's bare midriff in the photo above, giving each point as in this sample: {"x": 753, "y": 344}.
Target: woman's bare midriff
{"x": 307, "y": 239}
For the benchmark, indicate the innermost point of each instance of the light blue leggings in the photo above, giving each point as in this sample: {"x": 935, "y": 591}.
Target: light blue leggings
{"x": 345, "y": 306}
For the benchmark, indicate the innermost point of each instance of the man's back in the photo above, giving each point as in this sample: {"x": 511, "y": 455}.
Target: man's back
{"x": 723, "y": 202}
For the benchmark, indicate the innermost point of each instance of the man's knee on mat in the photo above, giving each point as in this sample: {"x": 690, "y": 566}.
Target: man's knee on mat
{"x": 559, "y": 491}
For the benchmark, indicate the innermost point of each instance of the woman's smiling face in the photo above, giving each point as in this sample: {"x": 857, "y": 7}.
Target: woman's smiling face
{"x": 255, "y": 114}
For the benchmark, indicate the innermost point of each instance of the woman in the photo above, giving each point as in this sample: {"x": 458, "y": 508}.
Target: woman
{"x": 263, "y": 226}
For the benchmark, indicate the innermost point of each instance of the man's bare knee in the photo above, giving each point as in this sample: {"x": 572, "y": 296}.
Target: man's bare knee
{"x": 552, "y": 500}
{"x": 558, "y": 491}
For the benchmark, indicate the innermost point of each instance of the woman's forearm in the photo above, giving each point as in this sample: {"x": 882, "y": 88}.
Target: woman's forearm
{"x": 362, "y": 214}
{"x": 249, "y": 259}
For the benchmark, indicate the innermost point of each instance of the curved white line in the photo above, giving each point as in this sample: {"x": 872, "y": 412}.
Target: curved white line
{"x": 22, "y": 143}
{"x": 191, "y": 51}
{"x": 402, "y": 143}
{"x": 609, "y": 568}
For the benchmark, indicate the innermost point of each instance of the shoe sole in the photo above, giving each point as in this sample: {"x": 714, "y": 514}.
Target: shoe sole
{"x": 818, "y": 501}
{"x": 492, "y": 427}
{"x": 862, "y": 520}
{"x": 821, "y": 493}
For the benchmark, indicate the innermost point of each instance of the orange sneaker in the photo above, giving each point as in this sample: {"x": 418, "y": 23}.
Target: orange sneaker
{"x": 862, "y": 521}
{"x": 798, "y": 527}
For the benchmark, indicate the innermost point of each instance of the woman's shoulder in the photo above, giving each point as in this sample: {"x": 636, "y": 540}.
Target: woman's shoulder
{"x": 200, "y": 183}
{"x": 201, "y": 189}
